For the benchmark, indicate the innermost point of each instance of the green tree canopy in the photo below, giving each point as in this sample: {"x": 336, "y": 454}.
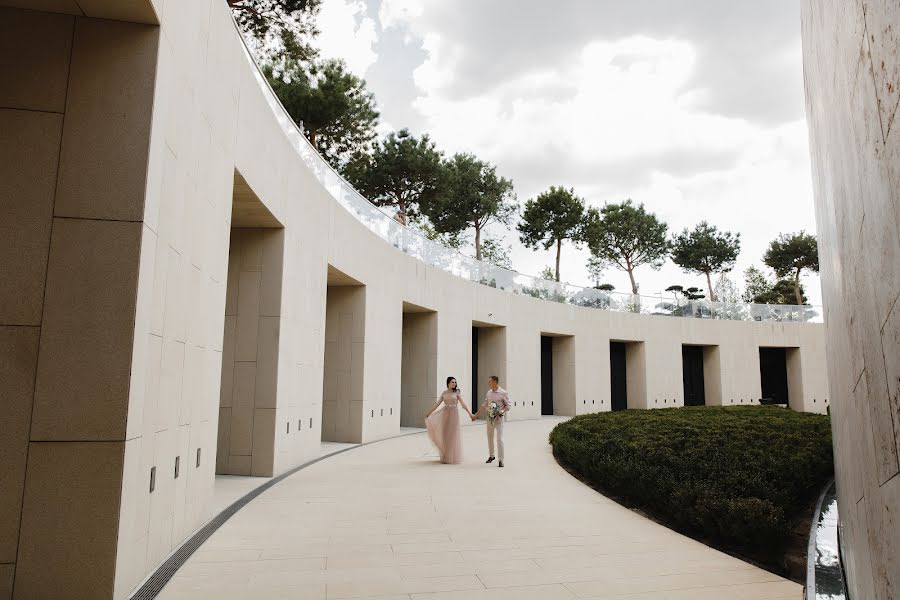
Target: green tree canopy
{"x": 551, "y": 218}
{"x": 496, "y": 253}
{"x": 691, "y": 293}
{"x": 791, "y": 254}
{"x": 332, "y": 106}
{"x": 596, "y": 267}
{"x": 759, "y": 289}
{"x": 781, "y": 292}
{"x": 706, "y": 250}
{"x": 547, "y": 273}
{"x": 756, "y": 284}
{"x": 281, "y": 30}
{"x": 472, "y": 196}
{"x": 452, "y": 241}
{"x": 402, "y": 172}
{"x": 628, "y": 237}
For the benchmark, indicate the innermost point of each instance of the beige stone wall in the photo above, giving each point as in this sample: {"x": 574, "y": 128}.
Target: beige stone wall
{"x": 73, "y": 149}
{"x": 125, "y": 339}
{"x": 344, "y": 391}
{"x": 564, "y": 361}
{"x": 636, "y": 374}
{"x": 493, "y": 350}
{"x": 249, "y": 384}
{"x": 419, "y": 375}
{"x": 32, "y": 104}
{"x": 852, "y": 70}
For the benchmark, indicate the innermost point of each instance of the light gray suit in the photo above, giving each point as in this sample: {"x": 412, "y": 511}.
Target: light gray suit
{"x": 495, "y": 426}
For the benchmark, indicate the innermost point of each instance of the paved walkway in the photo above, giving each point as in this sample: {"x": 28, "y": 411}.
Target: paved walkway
{"x": 387, "y": 521}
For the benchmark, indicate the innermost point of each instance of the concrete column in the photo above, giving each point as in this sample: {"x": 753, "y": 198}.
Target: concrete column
{"x": 419, "y": 367}
{"x": 345, "y": 326}
{"x": 564, "y": 392}
{"x": 491, "y": 358}
{"x": 249, "y": 389}
{"x": 636, "y": 374}
{"x": 851, "y": 65}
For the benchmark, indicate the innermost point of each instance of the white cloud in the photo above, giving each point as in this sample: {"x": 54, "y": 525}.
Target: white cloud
{"x": 348, "y": 33}
{"x": 617, "y": 101}
{"x": 398, "y": 13}
{"x": 699, "y": 119}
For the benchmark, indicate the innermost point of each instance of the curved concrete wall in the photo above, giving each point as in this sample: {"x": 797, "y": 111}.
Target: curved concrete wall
{"x": 852, "y": 67}
{"x": 168, "y": 158}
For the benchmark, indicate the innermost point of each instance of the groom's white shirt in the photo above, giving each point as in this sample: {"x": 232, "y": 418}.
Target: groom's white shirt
{"x": 500, "y": 396}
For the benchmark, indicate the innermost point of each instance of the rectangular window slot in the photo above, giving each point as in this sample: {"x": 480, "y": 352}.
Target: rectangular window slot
{"x": 310, "y": 423}
{"x": 198, "y": 458}
{"x": 287, "y": 429}
{"x": 152, "y": 479}
{"x": 299, "y": 424}
{"x": 177, "y": 466}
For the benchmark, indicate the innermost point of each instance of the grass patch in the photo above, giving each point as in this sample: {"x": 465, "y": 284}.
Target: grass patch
{"x": 737, "y": 478}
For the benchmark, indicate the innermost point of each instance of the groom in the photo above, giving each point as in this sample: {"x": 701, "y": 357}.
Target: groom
{"x": 497, "y": 395}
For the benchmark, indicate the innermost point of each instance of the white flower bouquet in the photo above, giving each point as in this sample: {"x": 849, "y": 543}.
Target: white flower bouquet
{"x": 493, "y": 411}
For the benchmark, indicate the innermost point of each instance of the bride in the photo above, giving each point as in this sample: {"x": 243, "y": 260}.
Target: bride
{"x": 443, "y": 425}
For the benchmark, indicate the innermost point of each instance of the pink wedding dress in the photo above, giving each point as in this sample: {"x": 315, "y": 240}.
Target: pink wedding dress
{"x": 444, "y": 428}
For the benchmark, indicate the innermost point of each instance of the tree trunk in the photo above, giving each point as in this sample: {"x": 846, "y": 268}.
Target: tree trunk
{"x": 312, "y": 138}
{"x": 634, "y": 289}
{"x": 797, "y": 293}
{"x": 401, "y": 212}
{"x": 558, "y": 252}
{"x": 712, "y": 292}
{"x": 477, "y": 242}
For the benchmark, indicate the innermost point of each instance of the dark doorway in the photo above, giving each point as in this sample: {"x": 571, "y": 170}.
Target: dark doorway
{"x": 773, "y": 375}
{"x": 474, "y": 389}
{"x": 692, "y": 372}
{"x": 546, "y": 375}
{"x": 618, "y": 374}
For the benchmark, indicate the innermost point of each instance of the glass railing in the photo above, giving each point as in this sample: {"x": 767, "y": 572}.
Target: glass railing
{"x": 413, "y": 243}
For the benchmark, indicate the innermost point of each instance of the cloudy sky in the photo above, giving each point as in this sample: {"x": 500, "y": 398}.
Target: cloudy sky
{"x": 694, "y": 108}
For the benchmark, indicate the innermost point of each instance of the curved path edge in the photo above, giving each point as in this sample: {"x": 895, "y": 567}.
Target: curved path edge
{"x": 156, "y": 581}
{"x": 391, "y": 523}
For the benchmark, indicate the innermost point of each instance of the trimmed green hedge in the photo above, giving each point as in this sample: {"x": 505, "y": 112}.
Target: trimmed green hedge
{"x": 734, "y": 476}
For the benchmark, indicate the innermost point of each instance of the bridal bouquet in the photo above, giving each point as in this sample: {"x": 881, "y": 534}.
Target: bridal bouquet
{"x": 493, "y": 411}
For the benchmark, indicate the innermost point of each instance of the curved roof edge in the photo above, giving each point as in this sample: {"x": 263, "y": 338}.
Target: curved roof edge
{"x": 431, "y": 253}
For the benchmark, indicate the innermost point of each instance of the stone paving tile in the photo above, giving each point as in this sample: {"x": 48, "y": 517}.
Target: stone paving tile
{"x": 386, "y": 521}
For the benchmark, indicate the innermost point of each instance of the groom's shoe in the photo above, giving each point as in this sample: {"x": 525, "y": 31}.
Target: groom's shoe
{"x": 489, "y": 460}
{"x": 500, "y": 464}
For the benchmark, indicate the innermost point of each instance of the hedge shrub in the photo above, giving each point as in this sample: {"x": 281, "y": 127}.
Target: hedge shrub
{"x": 734, "y": 476}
